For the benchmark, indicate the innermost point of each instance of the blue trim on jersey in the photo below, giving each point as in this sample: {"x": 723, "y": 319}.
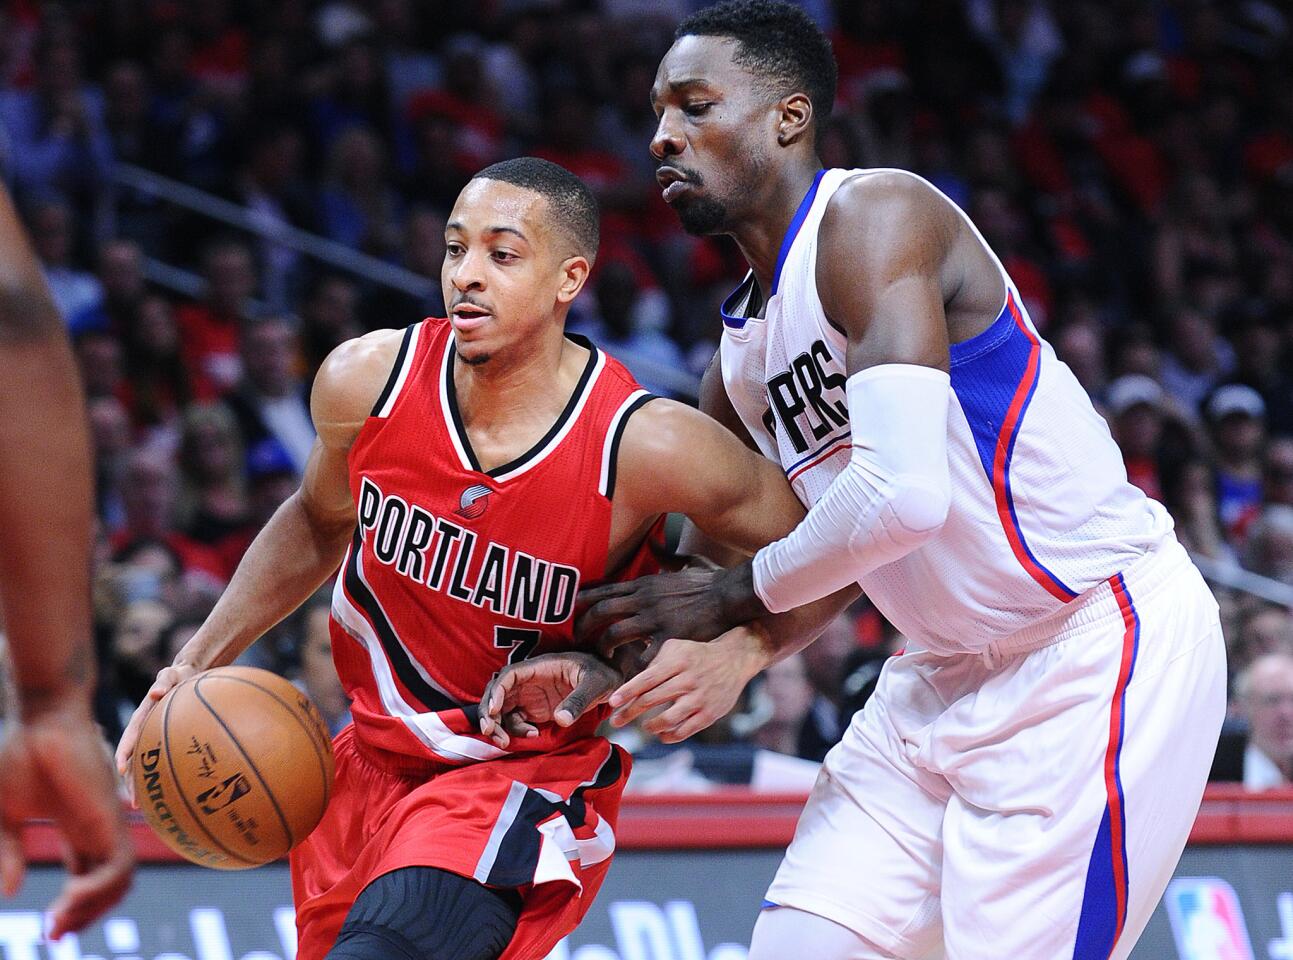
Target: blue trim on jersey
{"x": 731, "y": 319}
{"x": 797, "y": 221}
{"x": 987, "y": 371}
{"x": 792, "y": 231}
{"x": 1098, "y": 922}
{"x": 1000, "y": 329}
{"x": 769, "y": 905}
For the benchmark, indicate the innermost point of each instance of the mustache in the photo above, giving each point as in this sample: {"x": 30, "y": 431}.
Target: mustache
{"x": 459, "y": 301}
{"x": 688, "y": 174}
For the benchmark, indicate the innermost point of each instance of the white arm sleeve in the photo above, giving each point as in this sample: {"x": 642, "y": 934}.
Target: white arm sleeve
{"x": 893, "y": 495}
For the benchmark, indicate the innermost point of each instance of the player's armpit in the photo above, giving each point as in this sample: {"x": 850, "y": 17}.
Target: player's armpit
{"x": 675, "y": 459}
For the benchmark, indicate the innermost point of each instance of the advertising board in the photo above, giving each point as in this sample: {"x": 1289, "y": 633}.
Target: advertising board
{"x": 1226, "y": 903}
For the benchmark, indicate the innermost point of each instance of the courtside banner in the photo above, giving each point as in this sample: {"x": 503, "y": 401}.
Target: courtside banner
{"x": 1226, "y": 903}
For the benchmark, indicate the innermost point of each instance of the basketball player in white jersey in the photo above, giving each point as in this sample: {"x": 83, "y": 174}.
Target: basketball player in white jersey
{"x": 1025, "y": 777}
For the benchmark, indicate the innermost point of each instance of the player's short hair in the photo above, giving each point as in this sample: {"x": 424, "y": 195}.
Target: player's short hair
{"x": 571, "y": 203}
{"x": 779, "y": 41}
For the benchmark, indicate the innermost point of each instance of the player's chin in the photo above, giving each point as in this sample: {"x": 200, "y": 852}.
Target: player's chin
{"x": 474, "y": 356}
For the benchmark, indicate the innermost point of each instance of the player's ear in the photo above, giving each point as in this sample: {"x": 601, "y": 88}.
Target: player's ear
{"x": 574, "y": 274}
{"x": 794, "y": 117}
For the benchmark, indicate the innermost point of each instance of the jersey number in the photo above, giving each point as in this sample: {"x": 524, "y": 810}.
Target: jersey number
{"x": 520, "y": 642}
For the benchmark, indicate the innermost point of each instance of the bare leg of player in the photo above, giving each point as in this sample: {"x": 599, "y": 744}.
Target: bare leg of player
{"x": 782, "y": 932}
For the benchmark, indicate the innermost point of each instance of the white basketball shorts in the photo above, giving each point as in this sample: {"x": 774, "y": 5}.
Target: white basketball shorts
{"x": 1030, "y": 806}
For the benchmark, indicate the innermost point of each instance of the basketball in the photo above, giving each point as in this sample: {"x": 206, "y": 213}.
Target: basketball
{"x": 233, "y": 768}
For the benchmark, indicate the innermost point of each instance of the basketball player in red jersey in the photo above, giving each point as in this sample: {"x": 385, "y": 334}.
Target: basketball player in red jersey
{"x": 470, "y": 475}
{"x": 52, "y": 759}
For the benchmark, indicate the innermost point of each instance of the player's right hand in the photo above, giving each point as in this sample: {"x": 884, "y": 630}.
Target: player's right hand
{"x": 167, "y": 678}
{"x": 552, "y": 688}
{"x": 54, "y": 765}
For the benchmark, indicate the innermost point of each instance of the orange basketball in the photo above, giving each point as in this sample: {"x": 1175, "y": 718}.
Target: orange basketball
{"x": 233, "y": 768}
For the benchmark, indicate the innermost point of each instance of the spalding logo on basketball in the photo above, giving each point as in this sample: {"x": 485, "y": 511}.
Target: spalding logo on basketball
{"x": 233, "y": 768}
{"x": 473, "y": 501}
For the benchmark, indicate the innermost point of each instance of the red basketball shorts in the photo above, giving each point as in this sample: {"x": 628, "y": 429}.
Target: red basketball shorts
{"x": 540, "y": 823}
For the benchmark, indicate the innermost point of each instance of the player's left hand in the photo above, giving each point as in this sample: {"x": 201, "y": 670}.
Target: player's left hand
{"x": 56, "y": 766}
{"x": 697, "y": 603}
{"x": 552, "y": 688}
{"x": 696, "y": 683}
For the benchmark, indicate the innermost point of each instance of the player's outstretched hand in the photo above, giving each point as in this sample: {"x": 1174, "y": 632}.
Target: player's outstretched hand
{"x": 698, "y": 603}
{"x": 55, "y": 766}
{"x": 693, "y": 684}
{"x": 167, "y": 678}
{"x": 552, "y": 688}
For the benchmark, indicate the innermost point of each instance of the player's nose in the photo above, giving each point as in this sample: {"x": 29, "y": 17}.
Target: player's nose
{"x": 668, "y": 140}
{"x": 467, "y": 272}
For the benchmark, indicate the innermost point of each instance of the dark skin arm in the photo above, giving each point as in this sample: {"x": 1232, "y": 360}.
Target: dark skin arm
{"x": 736, "y": 500}
{"x": 53, "y": 763}
{"x": 888, "y": 296}
{"x": 672, "y": 458}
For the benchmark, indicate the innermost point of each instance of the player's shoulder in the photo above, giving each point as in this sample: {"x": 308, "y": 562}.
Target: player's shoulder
{"x": 350, "y": 380}
{"x": 660, "y": 433}
{"x": 885, "y": 200}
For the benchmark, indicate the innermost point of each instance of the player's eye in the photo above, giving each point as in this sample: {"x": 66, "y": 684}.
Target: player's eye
{"x": 453, "y": 249}
{"x": 504, "y": 256}
{"x": 696, "y": 109}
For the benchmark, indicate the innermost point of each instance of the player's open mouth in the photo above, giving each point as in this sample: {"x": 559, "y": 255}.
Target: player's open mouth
{"x": 467, "y": 317}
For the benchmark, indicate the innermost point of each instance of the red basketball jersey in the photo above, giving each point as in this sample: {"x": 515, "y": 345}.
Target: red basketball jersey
{"x": 454, "y": 571}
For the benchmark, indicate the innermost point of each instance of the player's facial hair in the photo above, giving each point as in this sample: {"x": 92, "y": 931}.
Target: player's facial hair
{"x": 708, "y": 215}
{"x": 702, "y": 216}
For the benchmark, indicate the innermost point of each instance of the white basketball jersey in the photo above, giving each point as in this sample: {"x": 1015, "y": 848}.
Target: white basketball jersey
{"x": 1041, "y": 508}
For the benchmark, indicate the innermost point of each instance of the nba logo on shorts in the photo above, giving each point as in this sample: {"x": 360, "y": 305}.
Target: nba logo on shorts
{"x": 1207, "y": 921}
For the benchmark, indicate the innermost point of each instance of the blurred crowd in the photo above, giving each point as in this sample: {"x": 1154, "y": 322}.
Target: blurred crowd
{"x": 1131, "y": 161}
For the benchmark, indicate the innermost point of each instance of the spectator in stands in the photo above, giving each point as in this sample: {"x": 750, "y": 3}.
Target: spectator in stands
{"x": 214, "y": 499}
{"x": 134, "y": 137}
{"x": 423, "y": 253}
{"x": 137, "y": 645}
{"x": 110, "y": 437}
{"x": 1191, "y": 498}
{"x": 1265, "y": 693}
{"x": 318, "y": 676}
{"x": 56, "y": 134}
{"x": 1277, "y": 486}
{"x": 272, "y": 189}
{"x": 121, "y": 277}
{"x": 359, "y": 207}
{"x": 329, "y": 317}
{"x": 1266, "y": 629}
{"x": 1080, "y": 344}
{"x": 825, "y": 664}
{"x": 271, "y": 400}
{"x": 158, "y": 385}
{"x": 1235, "y": 413}
{"x": 1269, "y": 550}
{"x": 1196, "y": 359}
{"x": 632, "y": 322}
{"x": 209, "y": 329}
{"x": 782, "y": 702}
{"x": 76, "y": 292}
{"x": 150, "y": 492}
{"x": 271, "y": 479}
{"x": 1135, "y": 403}
{"x": 98, "y": 354}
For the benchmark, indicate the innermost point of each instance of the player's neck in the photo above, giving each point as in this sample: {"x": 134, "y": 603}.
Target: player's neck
{"x": 517, "y": 392}
{"x": 760, "y": 234}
